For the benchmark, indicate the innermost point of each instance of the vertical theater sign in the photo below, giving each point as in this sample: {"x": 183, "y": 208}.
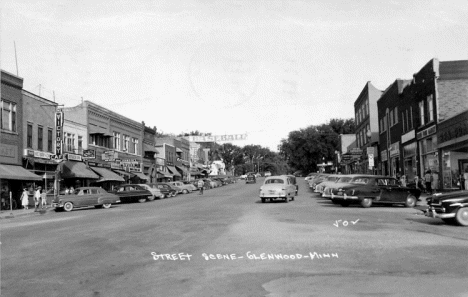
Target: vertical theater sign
{"x": 59, "y": 134}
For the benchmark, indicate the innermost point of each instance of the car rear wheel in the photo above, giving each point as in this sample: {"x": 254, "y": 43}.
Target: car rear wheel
{"x": 366, "y": 202}
{"x": 410, "y": 201}
{"x": 151, "y": 198}
{"x": 68, "y": 206}
{"x": 142, "y": 200}
{"x": 107, "y": 205}
{"x": 462, "y": 216}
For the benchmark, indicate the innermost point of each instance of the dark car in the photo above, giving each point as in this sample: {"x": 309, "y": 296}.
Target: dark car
{"x": 370, "y": 189}
{"x": 85, "y": 197}
{"x": 132, "y": 193}
{"x": 250, "y": 179}
{"x": 167, "y": 190}
{"x": 450, "y": 207}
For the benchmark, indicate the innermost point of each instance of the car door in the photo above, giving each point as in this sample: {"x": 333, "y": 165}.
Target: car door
{"x": 84, "y": 197}
{"x": 386, "y": 194}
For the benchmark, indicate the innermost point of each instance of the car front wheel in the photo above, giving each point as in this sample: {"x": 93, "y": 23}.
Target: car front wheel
{"x": 410, "y": 201}
{"x": 142, "y": 200}
{"x": 185, "y": 192}
{"x": 366, "y": 202}
{"x": 106, "y": 205}
{"x": 151, "y": 198}
{"x": 68, "y": 206}
{"x": 462, "y": 216}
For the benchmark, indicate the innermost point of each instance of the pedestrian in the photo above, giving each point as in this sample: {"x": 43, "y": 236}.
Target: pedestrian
{"x": 25, "y": 199}
{"x": 201, "y": 184}
{"x": 44, "y": 199}
{"x": 37, "y": 198}
{"x": 403, "y": 180}
{"x": 428, "y": 181}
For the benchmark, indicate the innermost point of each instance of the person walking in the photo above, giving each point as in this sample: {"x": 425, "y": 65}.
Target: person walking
{"x": 428, "y": 181}
{"x": 25, "y": 199}
{"x": 43, "y": 199}
{"x": 37, "y": 198}
{"x": 201, "y": 184}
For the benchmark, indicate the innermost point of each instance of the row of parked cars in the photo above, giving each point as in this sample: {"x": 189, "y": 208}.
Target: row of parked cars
{"x": 100, "y": 198}
{"x": 367, "y": 190}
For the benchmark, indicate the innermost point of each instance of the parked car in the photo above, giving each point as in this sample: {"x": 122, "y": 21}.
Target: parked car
{"x": 250, "y": 179}
{"x": 212, "y": 183}
{"x": 85, "y": 197}
{"x": 310, "y": 176}
{"x": 172, "y": 189}
{"x": 451, "y": 207}
{"x": 294, "y": 182}
{"x": 154, "y": 190}
{"x": 132, "y": 193}
{"x": 340, "y": 182}
{"x": 191, "y": 184}
{"x": 332, "y": 178}
{"x": 277, "y": 187}
{"x": 166, "y": 190}
{"x": 267, "y": 174}
{"x": 180, "y": 186}
{"x": 369, "y": 189}
{"x": 218, "y": 182}
{"x": 298, "y": 173}
{"x": 243, "y": 176}
{"x": 317, "y": 179}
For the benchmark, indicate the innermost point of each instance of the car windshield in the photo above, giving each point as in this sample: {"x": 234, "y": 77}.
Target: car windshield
{"x": 77, "y": 191}
{"x": 274, "y": 181}
{"x": 360, "y": 180}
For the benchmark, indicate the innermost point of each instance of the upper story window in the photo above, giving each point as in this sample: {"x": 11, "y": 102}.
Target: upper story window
{"x": 69, "y": 141}
{"x": 430, "y": 108}
{"x": 126, "y": 141}
{"x": 100, "y": 140}
{"x": 135, "y": 145}
{"x": 29, "y": 136}
{"x": 49, "y": 140}
{"x": 117, "y": 141}
{"x": 80, "y": 144}
{"x": 8, "y": 116}
{"x": 421, "y": 113}
{"x": 40, "y": 138}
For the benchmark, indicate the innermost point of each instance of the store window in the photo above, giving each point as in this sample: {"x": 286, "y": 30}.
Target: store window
{"x": 8, "y": 116}
{"x": 40, "y": 139}
{"x": 29, "y": 136}
{"x": 428, "y": 151}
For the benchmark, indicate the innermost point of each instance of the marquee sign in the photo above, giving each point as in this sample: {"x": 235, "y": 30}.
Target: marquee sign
{"x": 216, "y": 138}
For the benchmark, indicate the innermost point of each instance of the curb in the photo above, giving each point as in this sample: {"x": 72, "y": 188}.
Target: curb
{"x": 12, "y": 215}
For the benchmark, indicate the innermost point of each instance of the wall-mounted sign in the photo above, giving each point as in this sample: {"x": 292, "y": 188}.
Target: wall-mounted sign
{"x": 89, "y": 154}
{"x": 395, "y": 149}
{"x": 38, "y": 154}
{"x": 74, "y": 157}
{"x": 58, "y": 133}
{"x": 215, "y": 138}
{"x": 95, "y": 164}
{"x": 109, "y": 156}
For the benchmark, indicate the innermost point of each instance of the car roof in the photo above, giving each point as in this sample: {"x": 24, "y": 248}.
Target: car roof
{"x": 276, "y": 177}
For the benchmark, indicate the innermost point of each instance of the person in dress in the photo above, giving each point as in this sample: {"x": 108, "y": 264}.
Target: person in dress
{"x": 25, "y": 199}
{"x": 37, "y": 198}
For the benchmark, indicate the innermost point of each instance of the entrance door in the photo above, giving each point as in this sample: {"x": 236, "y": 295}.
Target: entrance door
{"x": 463, "y": 165}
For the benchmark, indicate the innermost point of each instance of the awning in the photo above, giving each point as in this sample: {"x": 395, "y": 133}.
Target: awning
{"x": 73, "y": 169}
{"x": 149, "y": 148}
{"x": 141, "y": 175}
{"x": 165, "y": 174}
{"x": 178, "y": 150}
{"x": 173, "y": 170}
{"x": 196, "y": 173}
{"x": 121, "y": 172}
{"x": 17, "y": 173}
{"x": 182, "y": 168}
{"x": 98, "y": 130}
{"x": 106, "y": 175}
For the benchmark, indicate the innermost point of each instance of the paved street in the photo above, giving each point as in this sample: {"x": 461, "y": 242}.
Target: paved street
{"x": 264, "y": 249}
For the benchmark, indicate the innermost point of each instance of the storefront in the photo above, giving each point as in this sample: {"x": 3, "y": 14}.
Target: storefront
{"x": 394, "y": 154}
{"x": 174, "y": 172}
{"x": 453, "y": 151}
{"x": 75, "y": 174}
{"x": 108, "y": 180}
{"x": 41, "y": 163}
{"x": 13, "y": 179}
{"x": 428, "y": 154}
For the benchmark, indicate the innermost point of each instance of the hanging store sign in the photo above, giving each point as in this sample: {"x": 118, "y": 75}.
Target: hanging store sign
{"x": 38, "y": 154}
{"x": 74, "y": 157}
{"x": 89, "y": 154}
{"x": 215, "y": 138}
{"x": 58, "y": 133}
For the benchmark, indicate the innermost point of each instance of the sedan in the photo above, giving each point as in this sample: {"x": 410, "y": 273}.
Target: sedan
{"x": 85, "y": 197}
{"x": 277, "y": 187}
{"x": 181, "y": 187}
{"x": 154, "y": 190}
{"x": 165, "y": 189}
{"x": 369, "y": 189}
{"x": 132, "y": 193}
{"x": 450, "y": 207}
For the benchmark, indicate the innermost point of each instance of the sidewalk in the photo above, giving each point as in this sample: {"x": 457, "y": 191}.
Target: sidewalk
{"x": 11, "y": 214}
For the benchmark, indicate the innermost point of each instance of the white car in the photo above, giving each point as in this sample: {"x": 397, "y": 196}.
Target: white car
{"x": 267, "y": 173}
{"x": 184, "y": 189}
{"x": 243, "y": 176}
{"x": 277, "y": 187}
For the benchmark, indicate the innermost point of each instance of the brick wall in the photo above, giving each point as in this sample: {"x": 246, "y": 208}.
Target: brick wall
{"x": 453, "y": 98}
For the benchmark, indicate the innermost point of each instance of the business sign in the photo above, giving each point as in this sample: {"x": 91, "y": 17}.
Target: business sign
{"x": 216, "y": 138}
{"x": 74, "y": 157}
{"x": 371, "y": 160}
{"x": 355, "y": 151}
{"x": 109, "y": 156}
{"x": 37, "y": 154}
{"x": 370, "y": 150}
{"x": 395, "y": 149}
{"x": 95, "y": 164}
{"x": 89, "y": 154}
{"x": 59, "y": 133}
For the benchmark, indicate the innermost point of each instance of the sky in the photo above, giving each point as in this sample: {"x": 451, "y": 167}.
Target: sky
{"x": 261, "y": 68}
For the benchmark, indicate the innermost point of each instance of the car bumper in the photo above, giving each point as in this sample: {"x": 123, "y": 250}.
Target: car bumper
{"x": 343, "y": 197}
{"x": 57, "y": 205}
{"x": 431, "y": 212}
{"x": 266, "y": 195}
